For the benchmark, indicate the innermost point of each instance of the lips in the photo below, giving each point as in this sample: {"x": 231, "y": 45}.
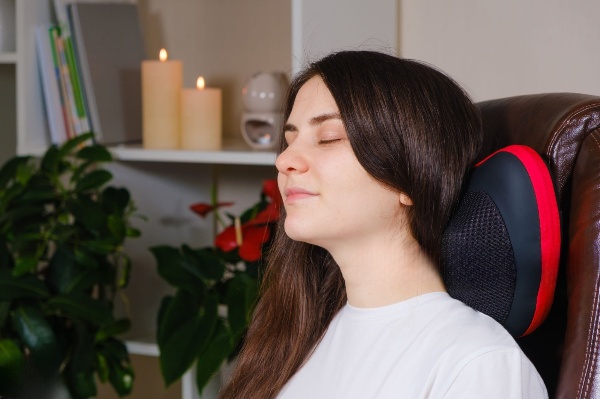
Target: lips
{"x": 294, "y": 194}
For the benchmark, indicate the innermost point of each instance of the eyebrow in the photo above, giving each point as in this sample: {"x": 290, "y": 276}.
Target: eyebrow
{"x": 315, "y": 120}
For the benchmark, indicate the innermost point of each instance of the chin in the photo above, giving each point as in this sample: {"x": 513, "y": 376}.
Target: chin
{"x": 299, "y": 232}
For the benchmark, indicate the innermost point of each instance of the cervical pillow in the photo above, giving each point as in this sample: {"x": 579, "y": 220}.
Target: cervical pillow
{"x": 501, "y": 249}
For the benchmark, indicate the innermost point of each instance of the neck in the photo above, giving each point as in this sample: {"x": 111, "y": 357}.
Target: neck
{"x": 383, "y": 272}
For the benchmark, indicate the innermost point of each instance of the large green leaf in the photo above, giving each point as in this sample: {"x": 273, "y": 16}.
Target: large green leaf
{"x": 80, "y": 370}
{"x": 179, "y": 352}
{"x": 25, "y": 287}
{"x": 39, "y": 190}
{"x": 17, "y": 214}
{"x": 8, "y": 171}
{"x": 112, "y": 363}
{"x": 174, "y": 311}
{"x": 68, "y": 272}
{"x": 187, "y": 341}
{"x": 93, "y": 180}
{"x": 118, "y": 365}
{"x": 117, "y": 227}
{"x": 80, "y": 306}
{"x": 88, "y": 213}
{"x": 12, "y": 363}
{"x": 50, "y": 161}
{"x": 241, "y": 296}
{"x": 25, "y": 265}
{"x": 115, "y": 200}
{"x": 75, "y": 142}
{"x": 211, "y": 358}
{"x": 95, "y": 153}
{"x": 118, "y": 327}
{"x": 170, "y": 264}
{"x": 37, "y": 334}
{"x": 202, "y": 263}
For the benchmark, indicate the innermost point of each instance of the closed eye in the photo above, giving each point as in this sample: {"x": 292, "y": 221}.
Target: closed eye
{"x": 329, "y": 141}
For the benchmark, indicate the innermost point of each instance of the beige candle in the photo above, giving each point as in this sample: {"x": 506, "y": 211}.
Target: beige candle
{"x": 201, "y": 117}
{"x": 161, "y": 102}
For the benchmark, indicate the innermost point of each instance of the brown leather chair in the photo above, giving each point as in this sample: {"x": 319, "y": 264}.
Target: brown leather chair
{"x": 565, "y": 129}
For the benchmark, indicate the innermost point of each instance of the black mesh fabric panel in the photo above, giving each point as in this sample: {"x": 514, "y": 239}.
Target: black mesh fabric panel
{"x": 478, "y": 263}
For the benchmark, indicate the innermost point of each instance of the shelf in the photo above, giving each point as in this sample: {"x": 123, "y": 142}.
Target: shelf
{"x": 145, "y": 346}
{"x": 8, "y": 58}
{"x": 234, "y": 154}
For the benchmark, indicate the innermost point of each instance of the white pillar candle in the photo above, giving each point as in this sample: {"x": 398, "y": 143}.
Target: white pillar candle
{"x": 161, "y": 102}
{"x": 201, "y": 117}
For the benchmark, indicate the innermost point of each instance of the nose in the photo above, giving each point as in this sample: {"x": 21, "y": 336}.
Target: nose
{"x": 291, "y": 160}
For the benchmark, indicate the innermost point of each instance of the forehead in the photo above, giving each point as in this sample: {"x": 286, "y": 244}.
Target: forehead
{"x": 313, "y": 98}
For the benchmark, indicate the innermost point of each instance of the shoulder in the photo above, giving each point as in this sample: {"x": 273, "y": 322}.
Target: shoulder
{"x": 456, "y": 322}
{"x": 495, "y": 372}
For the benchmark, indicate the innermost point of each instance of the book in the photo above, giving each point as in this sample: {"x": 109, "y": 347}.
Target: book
{"x": 108, "y": 45}
{"x": 50, "y": 78}
{"x": 67, "y": 83}
{"x": 53, "y": 32}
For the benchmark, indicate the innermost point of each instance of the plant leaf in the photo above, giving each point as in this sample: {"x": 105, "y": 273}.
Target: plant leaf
{"x": 125, "y": 271}
{"x": 78, "y": 305}
{"x": 120, "y": 372}
{"x": 95, "y": 153}
{"x": 26, "y": 287}
{"x": 36, "y": 333}
{"x": 12, "y": 363}
{"x": 80, "y": 372}
{"x": 203, "y": 263}
{"x": 116, "y": 226}
{"x": 174, "y": 311}
{"x": 211, "y": 358}
{"x": 87, "y": 212}
{"x": 179, "y": 352}
{"x": 24, "y": 265}
{"x": 185, "y": 343}
{"x": 241, "y": 296}
{"x": 50, "y": 161}
{"x": 118, "y": 327}
{"x": 73, "y": 143}
{"x": 93, "y": 180}
{"x": 170, "y": 267}
{"x": 8, "y": 171}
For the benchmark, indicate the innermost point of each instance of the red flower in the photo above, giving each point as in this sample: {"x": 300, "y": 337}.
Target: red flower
{"x": 250, "y": 237}
{"x": 253, "y": 238}
{"x": 204, "y": 209}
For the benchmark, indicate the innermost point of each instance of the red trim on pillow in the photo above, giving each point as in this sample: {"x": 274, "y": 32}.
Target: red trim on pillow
{"x": 549, "y": 228}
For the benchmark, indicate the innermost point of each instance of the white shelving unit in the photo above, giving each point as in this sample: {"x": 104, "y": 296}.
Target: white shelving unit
{"x": 8, "y": 58}
{"x": 235, "y": 154}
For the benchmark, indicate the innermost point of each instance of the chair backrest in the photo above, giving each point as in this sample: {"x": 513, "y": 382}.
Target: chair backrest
{"x": 565, "y": 129}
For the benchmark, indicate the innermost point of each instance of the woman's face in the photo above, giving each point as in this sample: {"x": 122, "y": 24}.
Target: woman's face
{"x": 329, "y": 198}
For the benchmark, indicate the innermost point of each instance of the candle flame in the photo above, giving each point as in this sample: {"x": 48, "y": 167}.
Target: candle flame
{"x": 200, "y": 83}
{"x": 162, "y": 55}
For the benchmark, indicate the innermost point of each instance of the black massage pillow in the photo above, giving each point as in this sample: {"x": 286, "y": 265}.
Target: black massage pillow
{"x": 501, "y": 249}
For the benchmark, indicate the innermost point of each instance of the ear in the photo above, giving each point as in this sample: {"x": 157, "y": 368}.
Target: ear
{"x": 405, "y": 200}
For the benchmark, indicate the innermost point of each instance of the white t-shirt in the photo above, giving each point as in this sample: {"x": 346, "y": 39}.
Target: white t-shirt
{"x": 430, "y": 346}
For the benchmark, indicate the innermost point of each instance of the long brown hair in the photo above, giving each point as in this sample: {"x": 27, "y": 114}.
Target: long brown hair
{"x": 413, "y": 129}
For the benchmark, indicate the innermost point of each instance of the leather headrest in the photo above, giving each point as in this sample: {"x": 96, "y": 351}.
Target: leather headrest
{"x": 501, "y": 249}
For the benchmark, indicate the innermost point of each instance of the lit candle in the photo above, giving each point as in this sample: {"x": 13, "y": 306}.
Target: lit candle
{"x": 201, "y": 117}
{"x": 161, "y": 98}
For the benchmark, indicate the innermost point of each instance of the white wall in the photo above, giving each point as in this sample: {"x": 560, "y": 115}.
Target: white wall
{"x": 506, "y": 47}
{"x": 320, "y": 27}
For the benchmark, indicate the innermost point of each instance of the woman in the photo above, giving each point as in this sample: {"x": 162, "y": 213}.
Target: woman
{"x": 375, "y": 155}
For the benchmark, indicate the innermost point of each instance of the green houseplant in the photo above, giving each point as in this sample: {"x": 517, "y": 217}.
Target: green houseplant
{"x": 61, "y": 263}
{"x": 204, "y": 322}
